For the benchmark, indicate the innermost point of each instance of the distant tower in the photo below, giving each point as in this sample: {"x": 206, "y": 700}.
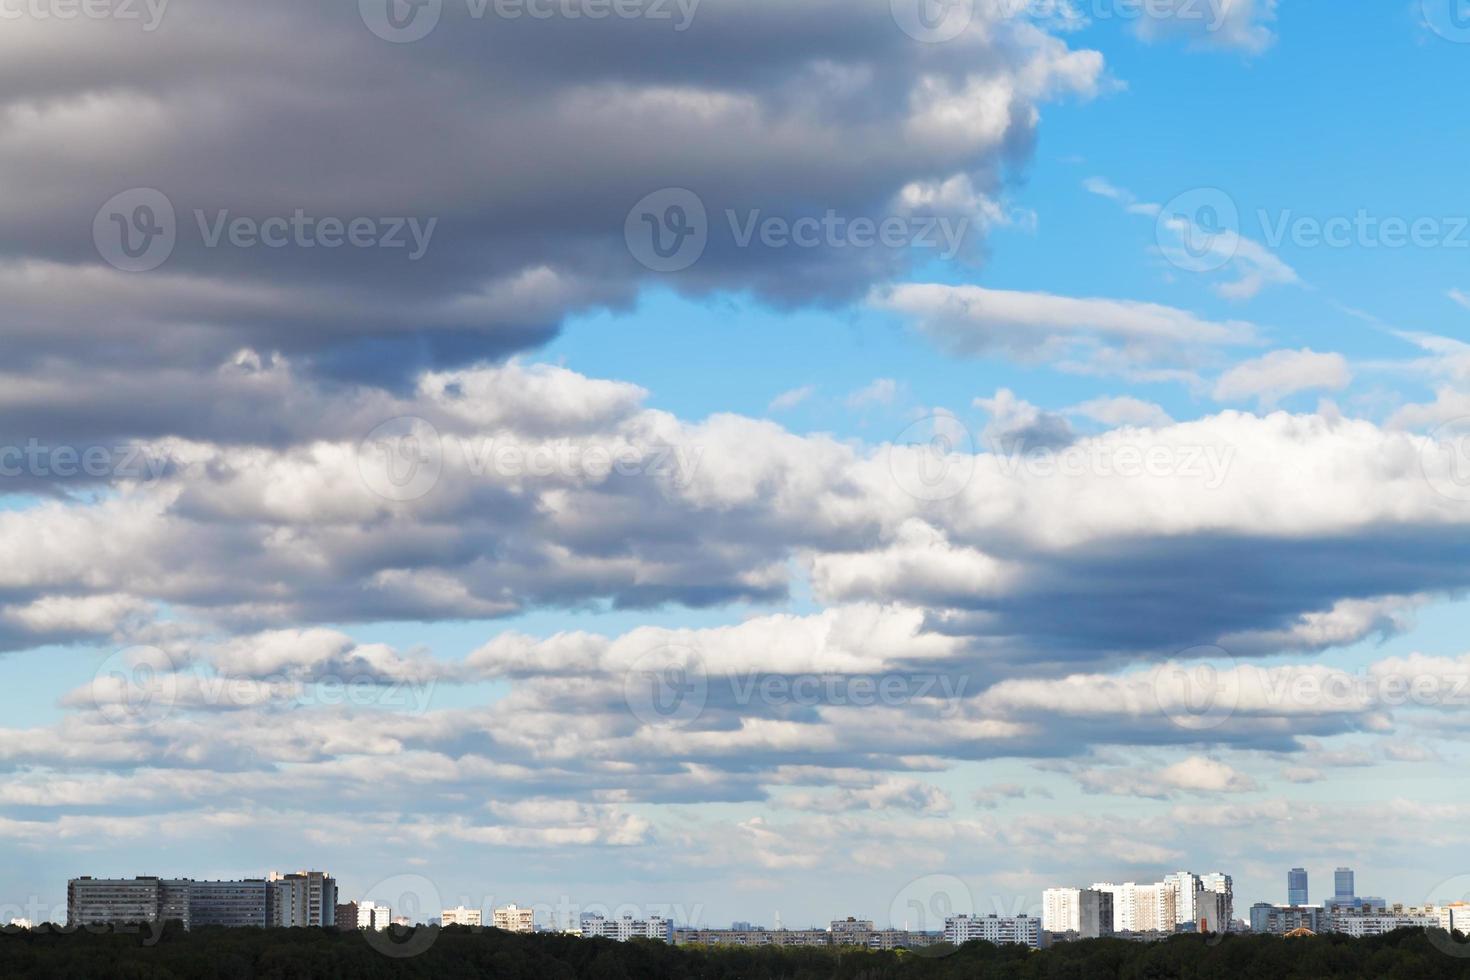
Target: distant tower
{"x": 1296, "y": 886}
{"x": 1342, "y": 881}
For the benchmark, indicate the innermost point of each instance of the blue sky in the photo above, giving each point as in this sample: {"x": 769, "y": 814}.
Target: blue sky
{"x": 176, "y": 644}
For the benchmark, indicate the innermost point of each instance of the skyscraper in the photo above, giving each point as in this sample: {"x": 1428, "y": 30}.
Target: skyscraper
{"x": 1222, "y": 884}
{"x": 1296, "y": 886}
{"x": 1343, "y": 886}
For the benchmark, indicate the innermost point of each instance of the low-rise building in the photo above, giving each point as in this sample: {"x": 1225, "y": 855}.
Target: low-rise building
{"x": 627, "y": 927}
{"x": 1020, "y": 930}
{"x": 752, "y": 937}
{"x": 1278, "y": 920}
{"x": 1369, "y": 922}
{"x": 461, "y": 916}
{"x": 513, "y": 918}
{"x": 850, "y": 928}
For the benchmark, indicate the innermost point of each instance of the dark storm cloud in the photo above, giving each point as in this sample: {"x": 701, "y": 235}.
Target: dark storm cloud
{"x": 507, "y": 151}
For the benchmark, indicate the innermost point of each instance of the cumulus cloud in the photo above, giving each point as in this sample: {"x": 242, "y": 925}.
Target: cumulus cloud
{"x": 1240, "y": 24}
{"x": 1016, "y": 425}
{"x": 1195, "y": 775}
{"x": 200, "y": 109}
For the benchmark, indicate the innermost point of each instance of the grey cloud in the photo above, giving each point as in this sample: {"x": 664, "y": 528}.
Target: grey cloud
{"x": 527, "y": 140}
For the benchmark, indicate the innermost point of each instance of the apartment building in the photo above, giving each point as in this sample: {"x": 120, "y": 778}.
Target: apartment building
{"x": 627, "y": 927}
{"x": 1358, "y": 923}
{"x": 234, "y": 904}
{"x": 302, "y": 899}
{"x": 461, "y": 916}
{"x": 1020, "y": 930}
{"x": 513, "y": 918}
{"x": 371, "y": 915}
{"x": 116, "y": 901}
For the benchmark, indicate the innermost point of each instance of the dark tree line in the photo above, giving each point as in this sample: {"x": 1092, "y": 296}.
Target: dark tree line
{"x": 471, "y": 954}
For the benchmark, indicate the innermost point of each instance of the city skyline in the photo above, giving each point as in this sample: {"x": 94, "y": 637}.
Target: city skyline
{"x": 281, "y": 899}
{"x": 738, "y": 455}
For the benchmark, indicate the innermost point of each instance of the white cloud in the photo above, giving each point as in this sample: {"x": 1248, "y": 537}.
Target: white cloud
{"x": 975, "y": 321}
{"x": 882, "y": 391}
{"x": 788, "y": 400}
{"x": 1121, "y": 410}
{"x": 1272, "y": 377}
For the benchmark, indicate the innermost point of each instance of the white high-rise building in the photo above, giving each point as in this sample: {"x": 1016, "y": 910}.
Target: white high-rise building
{"x": 1155, "y": 907}
{"x": 1125, "y": 904}
{"x": 1220, "y": 883}
{"x": 513, "y": 918}
{"x": 1454, "y": 917}
{"x": 1186, "y": 888}
{"x": 371, "y": 915}
{"x": 460, "y": 916}
{"x": 1061, "y": 910}
{"x": 1182, "y": 897}
{"x": 1084, "y": 911}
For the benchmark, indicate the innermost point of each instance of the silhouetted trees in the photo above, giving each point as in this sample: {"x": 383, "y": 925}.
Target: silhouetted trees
{"x": 460, "y": 953}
